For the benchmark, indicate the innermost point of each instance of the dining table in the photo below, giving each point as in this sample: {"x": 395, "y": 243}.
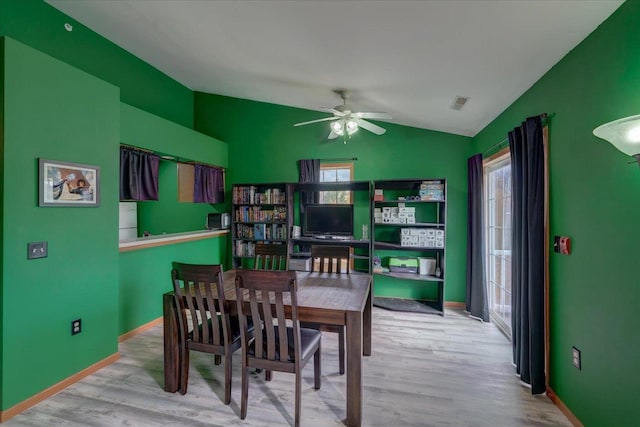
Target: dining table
{"x": 330, "y": 298}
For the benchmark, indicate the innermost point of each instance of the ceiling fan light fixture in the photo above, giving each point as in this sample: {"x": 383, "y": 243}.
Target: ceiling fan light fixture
{"x": 346, "y": 121}
{"x": 337, "y": 128}
{"x": 352, "y": 127}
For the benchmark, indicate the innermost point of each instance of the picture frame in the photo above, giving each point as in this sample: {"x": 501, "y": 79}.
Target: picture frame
{"x": 68, "y": 184}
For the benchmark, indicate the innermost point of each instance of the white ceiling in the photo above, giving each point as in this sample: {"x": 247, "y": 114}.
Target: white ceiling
{"x": 407, "y": 58}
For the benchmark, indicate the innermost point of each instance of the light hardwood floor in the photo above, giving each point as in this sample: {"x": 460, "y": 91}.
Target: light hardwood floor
{"x": 425, "y": 370}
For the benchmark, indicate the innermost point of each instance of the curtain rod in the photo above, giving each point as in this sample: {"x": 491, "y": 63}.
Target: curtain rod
{"x": 133, "y": 147}
{"x": 172, "y": 158}
{"x": 176, "y": 159}
{"x": 193, "y": 162}
{"x": 339, "y": 159}
{"x": 543, "y": 116}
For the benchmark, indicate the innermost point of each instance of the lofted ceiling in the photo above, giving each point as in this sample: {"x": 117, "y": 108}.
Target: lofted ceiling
{"x": 407, "y": 58}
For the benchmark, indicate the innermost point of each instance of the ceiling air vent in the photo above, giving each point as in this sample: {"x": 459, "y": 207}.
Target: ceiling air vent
{"x": 458, "y": 102}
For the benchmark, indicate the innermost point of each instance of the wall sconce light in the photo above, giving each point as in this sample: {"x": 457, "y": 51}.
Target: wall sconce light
{"x": 624, "y": 134}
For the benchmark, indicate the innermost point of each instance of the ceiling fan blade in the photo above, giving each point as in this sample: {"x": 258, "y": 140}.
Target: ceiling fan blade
{"x": 373, "y": 115}
{"x": 370, "y": 127}
{"x": 332, "y": 135}
{"x": 332, "y": 110}
{"x": 316, "y": 121}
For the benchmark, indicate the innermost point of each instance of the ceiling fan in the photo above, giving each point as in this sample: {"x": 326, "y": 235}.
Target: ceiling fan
{"x": 345, "y": 121}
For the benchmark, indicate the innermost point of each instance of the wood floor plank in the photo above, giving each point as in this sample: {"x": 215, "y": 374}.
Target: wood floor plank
{"x": 425, "y": 370}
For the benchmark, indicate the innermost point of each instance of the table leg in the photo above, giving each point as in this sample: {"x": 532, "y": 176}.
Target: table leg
{"x": 171, "y": 350}
{"x": 354, "y": 368}
{"x": 367, "y": 319}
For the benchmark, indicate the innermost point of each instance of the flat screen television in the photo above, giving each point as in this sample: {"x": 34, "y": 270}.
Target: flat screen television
{"x": 328, "y": 220}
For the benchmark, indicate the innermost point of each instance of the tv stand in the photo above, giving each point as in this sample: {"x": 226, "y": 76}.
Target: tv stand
{"x": 347, "y": 240}
{"x": 300, "y": 246}
{"x": 330, "y": 237}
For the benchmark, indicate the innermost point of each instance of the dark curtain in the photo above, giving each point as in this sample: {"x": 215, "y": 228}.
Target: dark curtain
{"x": 308, "y": 171}
{"x": 477, "y": 304}
{"x": 208, "y": 184}
{"x": 138, "y": 174}
{"x": 528, "y": 264}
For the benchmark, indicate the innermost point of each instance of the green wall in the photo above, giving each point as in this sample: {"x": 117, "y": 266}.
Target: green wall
{"x": 54, "y": 111}
{"x": 264, "y": 147}
{"x": 167, "y": 215}
{"x": 594, "y": 198}
{"x": 2, "y": 186}
{"x": 41, "y": 26}
{"x": 141, "y": 289}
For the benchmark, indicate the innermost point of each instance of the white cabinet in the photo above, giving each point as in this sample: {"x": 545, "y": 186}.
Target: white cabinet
{"x": 128, "y": 221}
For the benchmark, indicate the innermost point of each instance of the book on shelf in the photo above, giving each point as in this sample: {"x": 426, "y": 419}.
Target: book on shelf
{"x": 259, "y": 214}
{"x": 251, "y": 195}
{"x": 245, "y": 248}
{"x": 259, "y": 231}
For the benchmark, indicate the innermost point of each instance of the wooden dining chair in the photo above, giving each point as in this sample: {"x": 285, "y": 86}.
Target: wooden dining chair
{"x": 261, "y": 295}
{"x": 203, "y": 319}
{"x": 269, "y": 256}
{"x": 331, "y": 259}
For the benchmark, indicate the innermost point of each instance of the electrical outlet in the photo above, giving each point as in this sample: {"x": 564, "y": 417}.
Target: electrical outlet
{"x": 37, "y": 250}
{"x": 76, "y": 326}
{"x": 577, "y": 361}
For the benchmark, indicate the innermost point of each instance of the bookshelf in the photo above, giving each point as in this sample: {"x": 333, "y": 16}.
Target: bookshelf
{"x": 409, "y": 221}
{"x": 259, "y": 214}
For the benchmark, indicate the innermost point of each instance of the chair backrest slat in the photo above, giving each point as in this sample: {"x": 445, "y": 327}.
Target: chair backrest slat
{"x": 330, "y": 259}
{"x": 215, "y": 307}
{"x": 255, "y": 314}
{"x": 269, "y": 256}
{"x": 199, "y": 291}
{"x": 190, "y": 296}
{"x": 263, "y": 295}
{"x": 282, "y": 327}
{"x": 200, "y": 309}
{"x": 268, "y": 324}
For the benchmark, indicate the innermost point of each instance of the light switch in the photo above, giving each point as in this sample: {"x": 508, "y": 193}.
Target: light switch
{"x": 37, "y": 250}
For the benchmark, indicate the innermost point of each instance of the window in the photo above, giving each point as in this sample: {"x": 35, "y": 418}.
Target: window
{"x": 497, "y": 190}
{"x": 336, "y": 172}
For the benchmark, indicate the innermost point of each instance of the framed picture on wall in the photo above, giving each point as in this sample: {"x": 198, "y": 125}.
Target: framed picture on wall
{"x": 68, "y": 184}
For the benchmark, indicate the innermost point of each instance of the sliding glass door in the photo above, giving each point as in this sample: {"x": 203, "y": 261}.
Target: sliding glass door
{"x": 497, "y": 173}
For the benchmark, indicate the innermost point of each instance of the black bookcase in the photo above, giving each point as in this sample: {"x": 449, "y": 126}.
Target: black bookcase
{"x": 408, "y": 217}
{"x": 259, "y": 213}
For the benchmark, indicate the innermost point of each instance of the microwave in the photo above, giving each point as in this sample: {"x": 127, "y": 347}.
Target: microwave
{"x": 218, "y": 221}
